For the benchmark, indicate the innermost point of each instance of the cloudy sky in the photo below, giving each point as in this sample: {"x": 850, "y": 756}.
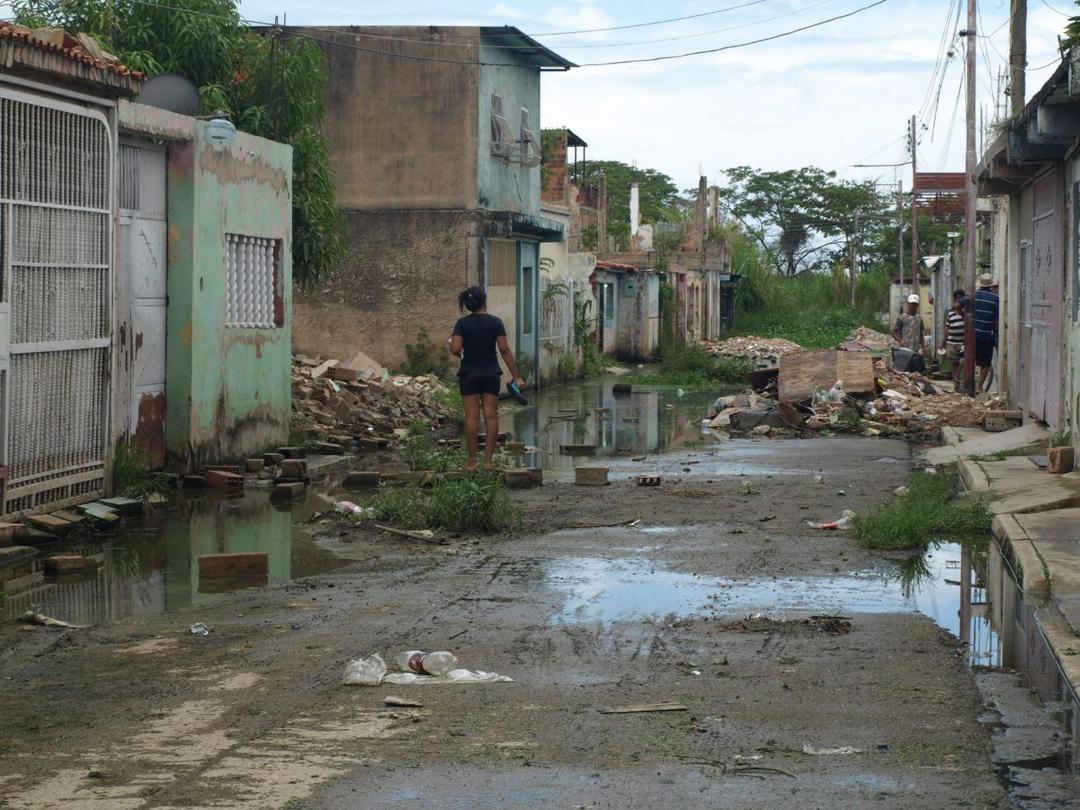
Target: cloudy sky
{"x": 832, "y": 96}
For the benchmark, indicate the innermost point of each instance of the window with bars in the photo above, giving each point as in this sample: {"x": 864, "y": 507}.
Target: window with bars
{"x": 253, "y": 282}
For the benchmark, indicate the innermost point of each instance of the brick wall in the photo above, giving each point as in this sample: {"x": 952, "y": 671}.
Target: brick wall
{"x": 554, "y": 172}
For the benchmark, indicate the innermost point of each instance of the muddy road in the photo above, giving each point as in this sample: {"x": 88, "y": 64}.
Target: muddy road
{"x": 583, "y": 615}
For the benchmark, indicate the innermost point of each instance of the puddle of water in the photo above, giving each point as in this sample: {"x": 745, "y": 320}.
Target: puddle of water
{"x": 647, "y": 421}
{"x": 153, "y": 564}
{"x": 634, "y": 588}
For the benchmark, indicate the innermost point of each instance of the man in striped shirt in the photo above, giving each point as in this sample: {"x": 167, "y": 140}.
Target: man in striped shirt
{"x": 987, "y": 305}
{"x": 954, "y": 335}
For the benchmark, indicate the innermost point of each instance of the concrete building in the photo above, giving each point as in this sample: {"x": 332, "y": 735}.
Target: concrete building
{"x": 121, "y": 314}
{"x": 434, "y": 135}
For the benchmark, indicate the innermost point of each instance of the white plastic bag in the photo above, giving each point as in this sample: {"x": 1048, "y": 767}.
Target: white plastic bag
{"x": 367, "y": 671}
{"x": 453, "y": 676}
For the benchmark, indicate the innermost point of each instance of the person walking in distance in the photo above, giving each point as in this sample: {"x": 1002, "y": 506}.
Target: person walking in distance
{"x": 953, "y": 344}
{"x": 475, "y": 339}
{"x": 909, "y": 332}
{"x": 987, "y": 307}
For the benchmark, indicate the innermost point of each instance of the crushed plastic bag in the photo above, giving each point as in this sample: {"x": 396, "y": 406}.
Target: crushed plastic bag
{"x": 350, "y": 508}
{"x": 845, "y": 521}
{"x": 367, "y": 671}
{"x": 453, "y": 676}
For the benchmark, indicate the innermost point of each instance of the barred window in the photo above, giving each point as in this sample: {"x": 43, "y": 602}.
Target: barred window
{"x": 253, "y": 282}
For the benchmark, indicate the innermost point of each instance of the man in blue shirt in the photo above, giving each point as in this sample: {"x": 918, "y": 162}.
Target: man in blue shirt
{"x": 987, "y": 306}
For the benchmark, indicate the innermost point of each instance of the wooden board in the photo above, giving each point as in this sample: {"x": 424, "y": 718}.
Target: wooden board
{"x": 803, "y": 374}
{"x": 644, "y": 708}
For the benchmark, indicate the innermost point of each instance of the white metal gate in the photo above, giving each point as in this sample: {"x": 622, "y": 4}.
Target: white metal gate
{"x": 56, "y": 192}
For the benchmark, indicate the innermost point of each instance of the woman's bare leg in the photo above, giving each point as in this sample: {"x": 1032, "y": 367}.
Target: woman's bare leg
{"x": 472, "y": 428}
{"x": 491, "y": 427}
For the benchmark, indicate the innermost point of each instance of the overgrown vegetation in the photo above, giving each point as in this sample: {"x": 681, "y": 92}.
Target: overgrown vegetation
{"x": 666, "y": 338}
{"x": 927, "y": 512}
{"x": 424, "y": 357}
{"x": 132, "y": 477}
{"x": 692, "y": 366}
{"x": 271, "y": 84}
{"x": 422, "y": 455}
{"x": 478, "y": 503}
{"x": 592, "y": 365}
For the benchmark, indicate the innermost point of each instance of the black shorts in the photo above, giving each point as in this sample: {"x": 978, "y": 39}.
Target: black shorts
{"x": 984, "y": 352}
{"x": 475, "y": 383}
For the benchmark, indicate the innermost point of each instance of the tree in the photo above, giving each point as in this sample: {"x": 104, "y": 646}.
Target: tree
{"x": 804, "y": 218}
{"x": 271, "y": 85}
{"x": 658, "y": 195}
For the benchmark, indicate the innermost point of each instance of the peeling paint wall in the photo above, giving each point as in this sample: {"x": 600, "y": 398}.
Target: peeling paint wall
{"x": 228, "y": 387}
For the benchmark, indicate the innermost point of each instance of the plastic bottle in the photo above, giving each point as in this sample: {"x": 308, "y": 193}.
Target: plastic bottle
{"x": 422, "y": 663}
{"x": 367, "y": 671}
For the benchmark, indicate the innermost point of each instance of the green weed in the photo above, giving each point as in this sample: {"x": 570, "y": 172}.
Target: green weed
{"x": 475, "y": 504}
{"x": 402, "y": 506}
{"x": 692, "y": 366}
{"x": 925, "y": 513}
{"x": 421, "y": 455}
{"x": 131, "y": 476}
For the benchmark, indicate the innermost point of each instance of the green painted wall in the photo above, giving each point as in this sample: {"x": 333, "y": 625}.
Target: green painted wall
{"x": 502, "y": 185}
{"x": 227, "y": 388}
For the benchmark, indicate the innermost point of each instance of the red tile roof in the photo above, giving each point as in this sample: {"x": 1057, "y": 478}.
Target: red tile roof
{"x": 72, "y": 50}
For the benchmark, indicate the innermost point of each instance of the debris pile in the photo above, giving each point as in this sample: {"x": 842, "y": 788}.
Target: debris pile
{"x": 751, "y": 347}
{"x": 840, "y": 392}
{"x": 340, "y": 403}
{"x": 865, "y": 339}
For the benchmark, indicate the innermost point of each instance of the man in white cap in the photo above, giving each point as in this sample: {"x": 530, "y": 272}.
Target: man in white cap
{"x": 987, "y": 307}
{"x": 909, "y": 332}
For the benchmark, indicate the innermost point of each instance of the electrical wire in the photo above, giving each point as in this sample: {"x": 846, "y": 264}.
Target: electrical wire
{"x": 653, "y": 22}
{"x": 1056, "y": 11}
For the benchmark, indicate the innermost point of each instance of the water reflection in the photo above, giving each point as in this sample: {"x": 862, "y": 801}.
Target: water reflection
{"x": 645, "y": 421}
{"x": 154, "y": 566}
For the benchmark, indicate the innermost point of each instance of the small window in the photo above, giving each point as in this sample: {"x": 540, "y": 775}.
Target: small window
{"x": 609, "y": 302}
{"x": 253, "y": 283}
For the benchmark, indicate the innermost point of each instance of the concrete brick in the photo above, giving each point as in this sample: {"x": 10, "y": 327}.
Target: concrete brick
{"x": 51, "y": 524}
{"x": 229, "y": 481}
{"x": 591, "y": 476}
{"x": 517, "y": 478}
{"x": 294, "y": 468}
{"x": 361, "y": 478}
{"x": 69, "y": 563}
{"x": 124, "y": 506}
{"x": 273, "y": 459}
{"x": 254, "y": 465}
{"x": 250, "y": 564}
{"x": 16, "y": 555}
{"x": 1059, "y": 460}
{"x": 288, "y": 491}
{"x": 293, "y": 452}
{"x": 8, "y": 532}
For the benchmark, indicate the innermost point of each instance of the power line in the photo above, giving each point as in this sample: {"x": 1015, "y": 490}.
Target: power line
{"x": 1056, "y": 11}
{"x": 653, "y": 22}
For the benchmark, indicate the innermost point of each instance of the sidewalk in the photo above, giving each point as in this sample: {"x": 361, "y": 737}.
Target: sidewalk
{"x": 1037, "y": 524}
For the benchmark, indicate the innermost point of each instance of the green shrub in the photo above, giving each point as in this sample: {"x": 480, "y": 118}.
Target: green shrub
{"x": 422, "y": 455}
{"x": 402, "y": 506}
{"x": 927, "y": 512}
{"x": 475, "y": 504}
{"x": 132, "y": 477}
{"x": 691, "y": 365}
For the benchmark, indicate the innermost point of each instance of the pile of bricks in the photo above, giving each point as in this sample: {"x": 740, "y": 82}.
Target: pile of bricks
{"x": 335, "y": 403}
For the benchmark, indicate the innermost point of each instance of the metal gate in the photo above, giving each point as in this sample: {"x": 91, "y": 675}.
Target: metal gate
{"x": 56, "y": 188}
{"x": 1045, "y": 293}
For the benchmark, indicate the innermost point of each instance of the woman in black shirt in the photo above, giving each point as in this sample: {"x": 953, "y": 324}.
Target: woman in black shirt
{"x": 476, "y": 337}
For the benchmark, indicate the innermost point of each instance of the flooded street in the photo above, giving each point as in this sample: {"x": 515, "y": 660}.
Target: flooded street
{"x": 806, "y": 671}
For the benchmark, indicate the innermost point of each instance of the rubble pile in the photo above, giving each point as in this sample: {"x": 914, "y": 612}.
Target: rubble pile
{"x": 896, "y": 403}
{"x": 340, "y": 404}
{"x": 751, "y": 347}
{"x": 865, "y": 339}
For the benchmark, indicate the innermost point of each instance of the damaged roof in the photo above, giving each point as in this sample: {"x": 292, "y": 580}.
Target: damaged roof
{"x": 74, "y": 57}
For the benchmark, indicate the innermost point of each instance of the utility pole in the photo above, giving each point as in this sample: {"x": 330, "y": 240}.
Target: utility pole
{"x": 852, "y": 259}
{"x": 970, "y": 203}
{"x": 1017, "y": 55}
{"x": 900, "y": 230}
{"x": 914, "y": 213}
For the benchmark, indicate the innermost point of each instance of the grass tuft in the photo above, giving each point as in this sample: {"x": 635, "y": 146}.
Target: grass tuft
{"x": 692, "y": 366}
{"x": 476, "y": 504}
{"x": 131, "y": 476}
{"x": 926, "y": 512}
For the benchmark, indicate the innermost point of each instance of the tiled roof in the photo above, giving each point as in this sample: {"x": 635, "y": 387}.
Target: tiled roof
{"x": 60, "y": 47}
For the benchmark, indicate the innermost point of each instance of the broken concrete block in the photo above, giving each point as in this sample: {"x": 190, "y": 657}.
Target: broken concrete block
{"x": 53, "y": 525}
{"x": 517, "y": 478}
{"x": 8, "y": 532}
{"x": 577, "y": 449}
{"x": 537, "y": 474}
{"x": 288, "y": 491}
{"x": 99, "y": 511}
{"x": 273, "y": 459}
{"x": 10, "y": 556}
{"x": 1059, "y": 460}
{"x": 70, "y": 517}
{"x": 329, "y": 448}
{"x": 69, "y": 564}
{"x": 229, "y": 481}
{"x": 250, "y": 564}
{"x": 230, "y": 468}
{"x": 591, "y": 476}
{"x": 294, "y": 468}
{"x": 124, "y": 506}
{"x": 254, "y": 465}
{"x": 361, "y": 478}
{"x": 293, "y": 452}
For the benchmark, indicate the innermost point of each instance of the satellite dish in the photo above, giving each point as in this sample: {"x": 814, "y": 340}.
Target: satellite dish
{"x": 171, "y": 92}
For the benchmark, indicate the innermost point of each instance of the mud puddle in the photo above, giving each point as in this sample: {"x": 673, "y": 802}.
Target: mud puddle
{"x": 635, "y": 588}
{"x": 152, "y": 564}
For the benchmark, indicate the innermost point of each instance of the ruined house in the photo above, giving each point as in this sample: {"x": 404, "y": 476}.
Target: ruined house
{"x": 434, "y": 136}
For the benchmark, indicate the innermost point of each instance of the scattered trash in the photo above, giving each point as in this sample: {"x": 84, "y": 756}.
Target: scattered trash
{"x": 453, "y": 676}
{"x": 819, "y": 479}
{"x": 651, "y": 480}
{"x": 403, "y": 703}
{"x": 845, "y": 521}
{"x": 751, "y": 347}
{"x": 426, "y": 535}
{"x": 766, "y": 518}
{"x": 830, "y": 752}
{"x": 350, "y": 508}
{"x": 642, "y": 708}
{"x": 901, "y": 490}
{"x": 367, "y": 671}
{"x": 200, "y": 629}
{"x": 422, "y": 663}
{"x": 33, "y": 617}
